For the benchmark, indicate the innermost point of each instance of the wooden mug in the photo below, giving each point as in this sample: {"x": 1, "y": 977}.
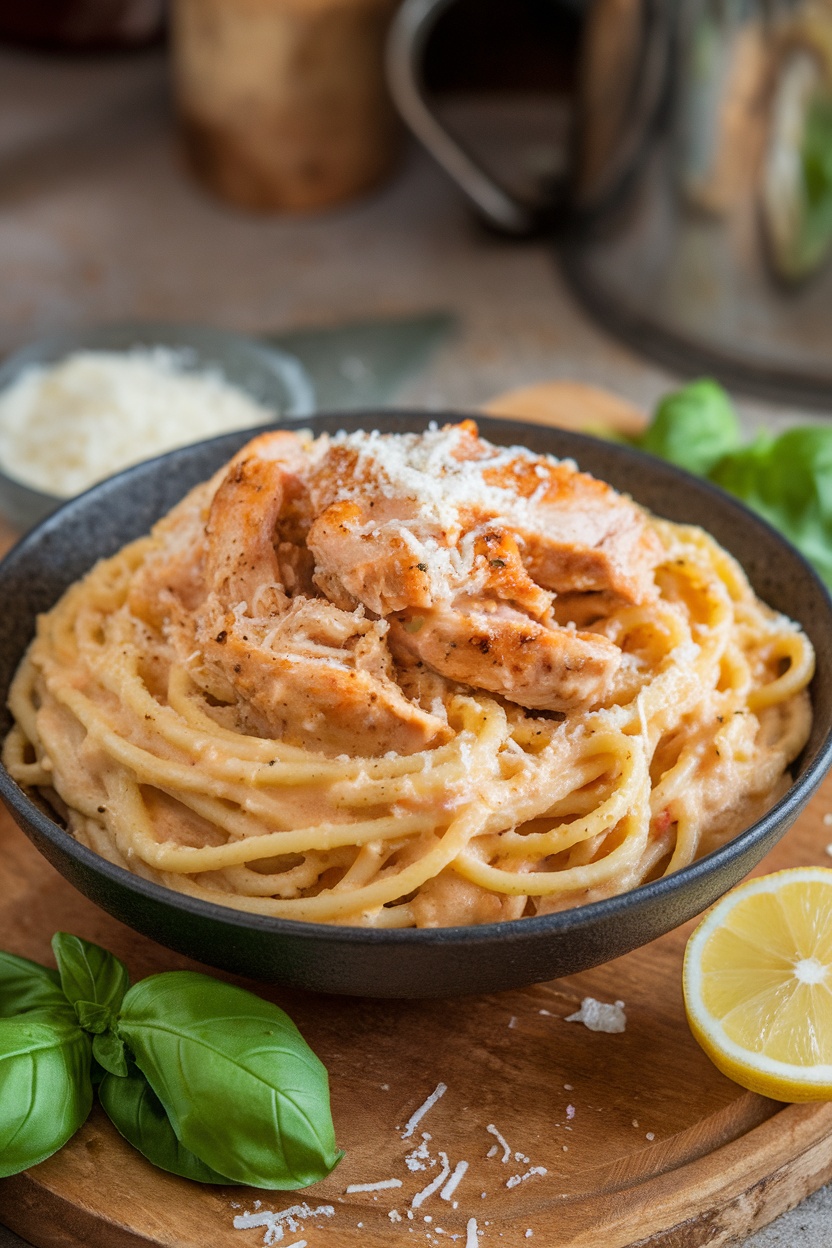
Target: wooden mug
{"x": 283, "y": 103}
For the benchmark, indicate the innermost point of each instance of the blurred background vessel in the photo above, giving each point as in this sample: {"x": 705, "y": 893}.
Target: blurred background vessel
{"x": 282, "y": 103}
{"x": 683, "y": 152}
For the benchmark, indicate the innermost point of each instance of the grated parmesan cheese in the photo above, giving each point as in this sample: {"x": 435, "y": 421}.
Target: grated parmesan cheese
{"x": 453, "y": 1182}
{"x": 600, "y": 1015}
{"x": 65, "y": 427}
{"x": 416, "y": 1117}
{"x": 418, "y": 1158}
{"x": 434, "y": 1184}
{"x": 500, "y": 1140}
{"x": 521, "y": 1178}
{"x": 372, "y": 1187}
{"x": 276, "y": 1223}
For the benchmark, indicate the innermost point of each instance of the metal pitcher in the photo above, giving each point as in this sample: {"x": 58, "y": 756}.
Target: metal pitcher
{"x": 694, "y": 205}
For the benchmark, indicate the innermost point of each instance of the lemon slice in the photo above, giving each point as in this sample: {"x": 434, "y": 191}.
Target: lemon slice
{"x": 758, "y": 984}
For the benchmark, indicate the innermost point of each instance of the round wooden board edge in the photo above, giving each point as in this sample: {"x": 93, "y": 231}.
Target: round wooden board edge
{"x": 719, "y": 1199}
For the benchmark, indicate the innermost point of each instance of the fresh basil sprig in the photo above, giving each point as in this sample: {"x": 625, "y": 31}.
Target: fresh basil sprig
{"x": 205, "y": 1079}
{"x": 138, "y": 1114}
{"x": 787, "y": 478}
{"x": 94, "y": 982}
{"x": 45, "y": 1086}
{"x": 245, "y": 1098}
{"x": 693, "y": 427}
{"x": 26, "y": 985}
{"x": 89, "y": 974}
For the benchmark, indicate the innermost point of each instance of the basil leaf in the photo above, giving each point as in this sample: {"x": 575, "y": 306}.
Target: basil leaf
{"x": 90, "y": 975}
{"x": 26, "y": 985}
{"x": 241, "y": 1087}
{"x": 45, "y": 1088}
{"x": 694, "y": 427}
{"x": 109, "y": 1052}
{"x": 139, "y": 1115}
{"x": 788, "y": 480}
{"x": 93, "y": 1018}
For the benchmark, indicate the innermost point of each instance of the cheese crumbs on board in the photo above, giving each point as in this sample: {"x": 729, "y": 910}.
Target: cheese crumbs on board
{"x": 600, "y": 1015}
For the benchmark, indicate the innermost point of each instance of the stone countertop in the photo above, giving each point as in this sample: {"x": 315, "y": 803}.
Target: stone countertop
{"x": 99, "y": 222}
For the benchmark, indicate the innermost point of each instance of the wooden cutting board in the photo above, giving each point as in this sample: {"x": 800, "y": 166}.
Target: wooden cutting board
{"x": 642, "y": 1140}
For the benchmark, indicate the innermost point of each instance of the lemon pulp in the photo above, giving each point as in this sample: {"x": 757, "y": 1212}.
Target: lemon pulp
{"x": 758, "y": 984}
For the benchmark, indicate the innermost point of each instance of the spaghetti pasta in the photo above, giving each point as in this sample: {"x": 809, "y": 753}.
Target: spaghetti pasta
{"x": 409, "y": 681}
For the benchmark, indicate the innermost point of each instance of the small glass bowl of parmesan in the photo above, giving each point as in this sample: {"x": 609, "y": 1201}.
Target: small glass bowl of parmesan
{"x": 80, "y": 406}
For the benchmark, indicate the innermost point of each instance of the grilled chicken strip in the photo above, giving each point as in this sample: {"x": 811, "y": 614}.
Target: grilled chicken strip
{"x": 464, "y": 546}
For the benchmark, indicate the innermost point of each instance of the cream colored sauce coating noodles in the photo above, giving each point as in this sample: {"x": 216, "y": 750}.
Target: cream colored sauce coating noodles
{"x": 411, "y": 680}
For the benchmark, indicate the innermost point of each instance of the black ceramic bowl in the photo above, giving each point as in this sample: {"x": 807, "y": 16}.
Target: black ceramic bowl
{"x": 428, "y": 962}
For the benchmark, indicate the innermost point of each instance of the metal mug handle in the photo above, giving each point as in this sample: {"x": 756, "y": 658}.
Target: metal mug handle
{"x": 605, "y": 156}
{"x": 409, "y": 35}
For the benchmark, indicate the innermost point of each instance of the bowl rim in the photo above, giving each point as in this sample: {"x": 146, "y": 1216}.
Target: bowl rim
{"x": 573, "y": 919}
{"x": 284, "y": 366}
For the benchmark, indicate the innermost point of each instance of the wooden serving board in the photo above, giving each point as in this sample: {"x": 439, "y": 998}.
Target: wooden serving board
{"x": 642, "y": 1140}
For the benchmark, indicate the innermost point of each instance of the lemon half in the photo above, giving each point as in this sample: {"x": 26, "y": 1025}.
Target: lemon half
{"x": 758, "y": 984}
